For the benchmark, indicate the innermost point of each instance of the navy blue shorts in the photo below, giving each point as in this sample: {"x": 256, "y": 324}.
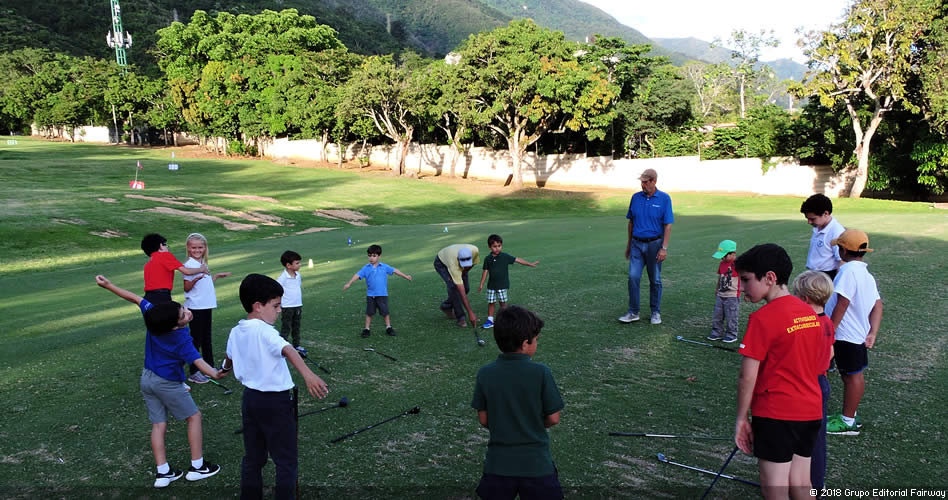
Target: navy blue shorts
{"x": 373, "y": 303}
{"x": 850, "y": 358}
{"x": 779, "y": 440}
{"x": 494, "y": 487}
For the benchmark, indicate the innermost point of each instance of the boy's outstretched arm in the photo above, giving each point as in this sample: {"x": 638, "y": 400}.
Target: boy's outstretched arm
{"x": 743, "y": 435}
{"x": 403, "y": 275}
{"x": 551, "y": 419}
{"x": 315, "y": 385}
{"x": 193, "y": 270}
{"x": 483, "y": 277}
{"x": 875, "y": 319}
{"x": 208, "y": 370}
{"x": 518, "y": 260}
{"x": 351, "y": 281}
{"x": 121, "y": 292}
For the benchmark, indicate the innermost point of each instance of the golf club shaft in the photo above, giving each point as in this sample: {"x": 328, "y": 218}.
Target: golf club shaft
{"x": 222, "y": 386}
{"x": 317, "y": 365}
{"x": 319, "y": 410}
{"x": 706, "y": 344}
{"x": 353, "y": 433}
{"x": 719, "y": 473}
{"x": 386, "y": 355}
{"x": 725, "y": 476}
{"x": 645, "y": 434}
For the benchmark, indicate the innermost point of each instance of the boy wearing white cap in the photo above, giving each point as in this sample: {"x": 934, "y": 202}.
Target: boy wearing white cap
{"x": 856, "y": 311}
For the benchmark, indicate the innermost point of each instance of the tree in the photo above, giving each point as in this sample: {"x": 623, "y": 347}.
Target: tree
{"x": 661, "y": 103}
{"x": 449, "y": 106}
{"x": 746, "y": 58}
{"x": 526, "y": 80}
{"x": 388, "y": 94}
{"x": 870, "y": 55}
{"x": 712, "y": 87}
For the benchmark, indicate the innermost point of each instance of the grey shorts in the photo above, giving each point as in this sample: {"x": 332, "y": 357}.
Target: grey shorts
{"x": 163, "y": 396}
{"x": 373, "y": 303}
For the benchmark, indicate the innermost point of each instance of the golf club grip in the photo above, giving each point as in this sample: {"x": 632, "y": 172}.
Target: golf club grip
{"x": 628, "y": 434}
{"x": 720, "y": 472}
{"x": 353, "y": 433}
{"x": 387, "y": 356}
{"x": 218, "y": 384}
{"x": 317, "y": 365}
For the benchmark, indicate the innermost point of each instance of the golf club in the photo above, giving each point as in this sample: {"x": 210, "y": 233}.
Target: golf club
{"x": 222, "y": 386}
{"x": 413, "y": 411}
{"x": 662, "y": 458}
{"x": 719, "y": 473}
{"x": 317, "y": 365}
{"x": 344, "y": 402}
{"x": 379, "y": 352}
{"x": 480, "y": 341}
{"x": 645, "y": 434}
{"x": 731, "y": 349}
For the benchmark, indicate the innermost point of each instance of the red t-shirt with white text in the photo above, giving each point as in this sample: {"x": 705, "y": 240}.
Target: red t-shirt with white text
{"x": 786, "y": 336}
{"x": 159, "y": 271}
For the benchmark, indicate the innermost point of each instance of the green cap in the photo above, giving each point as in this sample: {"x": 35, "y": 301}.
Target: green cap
{"x": 724, "y": 248}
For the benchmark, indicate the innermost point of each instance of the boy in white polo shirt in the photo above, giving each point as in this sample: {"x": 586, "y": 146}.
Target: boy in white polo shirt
{"x": 823, "y": 255}
{"x": 292, "y": 302}
{"x": 258, "y": 355}
{"x": 856, "y": 311}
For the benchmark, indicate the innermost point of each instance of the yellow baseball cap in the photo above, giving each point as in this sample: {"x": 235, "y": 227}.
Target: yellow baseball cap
{"x": 853, "y": 240}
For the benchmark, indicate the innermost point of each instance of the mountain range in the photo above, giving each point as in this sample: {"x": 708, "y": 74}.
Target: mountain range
{"x": 431, "y": 27}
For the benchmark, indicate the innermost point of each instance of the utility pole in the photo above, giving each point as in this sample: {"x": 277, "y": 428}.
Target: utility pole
{"x": 116, "y": 40}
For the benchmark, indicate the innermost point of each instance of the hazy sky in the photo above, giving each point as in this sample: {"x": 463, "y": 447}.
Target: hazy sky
{"x": 710, "y": 19}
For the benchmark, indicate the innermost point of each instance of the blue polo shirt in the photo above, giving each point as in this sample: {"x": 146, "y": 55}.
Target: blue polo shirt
{"x": 376, "y": 279}
{"x": 650, "y": 214}
{"x": 164, "y": 354}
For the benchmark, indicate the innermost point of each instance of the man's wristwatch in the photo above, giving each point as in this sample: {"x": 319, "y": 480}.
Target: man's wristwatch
{"x": 665, "y": 248}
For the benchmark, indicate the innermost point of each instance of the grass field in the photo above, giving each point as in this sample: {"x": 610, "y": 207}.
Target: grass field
{"x": 73, "y": 424}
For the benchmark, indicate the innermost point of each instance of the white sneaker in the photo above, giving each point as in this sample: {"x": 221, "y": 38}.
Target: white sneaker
{"x": 656, "y": 319}
{"x": 628, "y": 318}
{"x": 162, "y": 480}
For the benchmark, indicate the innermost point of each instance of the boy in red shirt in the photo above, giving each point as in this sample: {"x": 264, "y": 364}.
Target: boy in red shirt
{"x": 160, "y": 268}
{"x": 778, "y": 382}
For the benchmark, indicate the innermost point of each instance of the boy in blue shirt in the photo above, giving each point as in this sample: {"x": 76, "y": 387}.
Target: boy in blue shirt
{"x": 376, "y": 275}
{"x": 496, "y": 265}
{"x": 517, "y": 400}
{"x": 168, "y": 345}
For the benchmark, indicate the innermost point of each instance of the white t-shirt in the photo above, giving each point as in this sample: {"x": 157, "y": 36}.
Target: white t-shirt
{"x": 202, "y": 295}
{"x": 292, "y": 289}
{"x": 257, "y": 351}
{"x": 856, "y": 284}
{"x": 823, "y": 256}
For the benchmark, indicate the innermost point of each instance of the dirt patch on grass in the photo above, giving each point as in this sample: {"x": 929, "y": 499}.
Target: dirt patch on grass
{"x": 345, "y": 215}
{"x": 75, "y": 222}
{"x": 315, "y": 230}
{"x": 233, "y": 226}
{"x": 41, "y": 453}
{"x": 107, "y": 200}
{"x": 260, "y": 218}
{"x": 247, "y": 197}
{"x": 109, "y": 233}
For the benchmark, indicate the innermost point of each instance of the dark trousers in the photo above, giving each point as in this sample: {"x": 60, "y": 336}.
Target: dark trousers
{"x": 269, "y": 428}
{"x": 453, "y": 302}
{"x": 201, "y": 336}
{"x": 290, "y": 324}
{"x": 159, "y": 296}
{"x": 818, "y": 458}
{"x": 494, "y": 487}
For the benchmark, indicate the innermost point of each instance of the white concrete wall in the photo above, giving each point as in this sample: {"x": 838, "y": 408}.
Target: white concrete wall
{"x": 684, "y": 173}
{"x": 85, "y": 133}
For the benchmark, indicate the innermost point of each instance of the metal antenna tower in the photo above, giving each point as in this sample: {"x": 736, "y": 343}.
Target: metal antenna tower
{"x": 115, "y": 38}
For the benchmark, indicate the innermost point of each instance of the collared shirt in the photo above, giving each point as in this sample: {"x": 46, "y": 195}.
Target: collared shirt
{"x": 449, "y": 257}
{"x": 257, "y": 351}
{"x": 292, "y": 289}
{"x": 159, "y": 271}
{"x": 649, "y": 214}
{"x": 376, "y": 279}
{"x": 823, "y": 256}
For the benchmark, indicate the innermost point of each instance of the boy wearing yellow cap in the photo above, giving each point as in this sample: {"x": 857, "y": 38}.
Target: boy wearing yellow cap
{"x": 856, "y": 311}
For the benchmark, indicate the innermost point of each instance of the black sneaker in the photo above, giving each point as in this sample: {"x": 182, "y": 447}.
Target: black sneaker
{"x": 389, "y": 331}
{"x": 162, "y": 480}
{"x": 205, "y": 471}
{"x": 366, "y": 333}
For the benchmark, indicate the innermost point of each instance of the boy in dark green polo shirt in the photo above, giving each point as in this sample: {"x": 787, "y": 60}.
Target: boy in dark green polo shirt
{"x": 517, "y": 400}
{"x": 496, "y": 265}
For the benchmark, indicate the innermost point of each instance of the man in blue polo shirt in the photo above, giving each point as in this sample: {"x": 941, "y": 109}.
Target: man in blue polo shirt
{"x": 650, "y": 219}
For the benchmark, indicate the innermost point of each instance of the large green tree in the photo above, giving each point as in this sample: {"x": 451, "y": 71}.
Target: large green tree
{"x": 870, "y": 55}
{"x": 525, "y": 80}
{"x": 745, "y": 55}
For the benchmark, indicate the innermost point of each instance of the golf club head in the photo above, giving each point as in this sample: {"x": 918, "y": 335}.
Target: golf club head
{"x": 343, "y": 402}
{"x": 228, "y": 391}
{"x": 679, "y": 337}
{"x": 661, "y": 457}
{"x": 368, "y": 349}
{"x": 414, "y": 411}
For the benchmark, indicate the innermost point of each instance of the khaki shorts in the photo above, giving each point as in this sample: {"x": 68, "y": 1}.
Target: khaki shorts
{"x": 163, "y": 396}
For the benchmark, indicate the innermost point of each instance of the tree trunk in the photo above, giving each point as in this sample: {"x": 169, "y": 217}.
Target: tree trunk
{"x": 513, "y": 145}
{"x": 741, "y": 85}
{"x": 403, "y": 151}
{"x": 323, "y": 141}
